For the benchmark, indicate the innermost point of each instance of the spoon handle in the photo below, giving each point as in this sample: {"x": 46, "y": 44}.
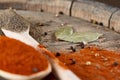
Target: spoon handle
{"x": 62, "y": 71}
{"x": 23, "y": 37}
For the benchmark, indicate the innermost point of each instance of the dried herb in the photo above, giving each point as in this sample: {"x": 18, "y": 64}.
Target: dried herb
{"x": 67, "y": 34}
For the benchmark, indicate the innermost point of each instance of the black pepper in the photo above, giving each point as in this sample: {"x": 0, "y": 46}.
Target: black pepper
{"x": 73, "y": 61}
{"x": 81, "y": 44}
{"x": 61, "y": 13}
{"x": 96, "y": 22}
{"x": 115, "y": 64}
{"x": 40, "y": 24}
{"x": 45, "y": 33}
{"x": 57, "y": 54}
{"x": 101, "y": 24}
{"x": 72, "y": 48}
{"x": 35, "y": 69}
{"x": 41, "y": 10}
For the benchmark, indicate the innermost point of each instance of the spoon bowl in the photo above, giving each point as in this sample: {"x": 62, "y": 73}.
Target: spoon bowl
{"x": 36, "y": 76}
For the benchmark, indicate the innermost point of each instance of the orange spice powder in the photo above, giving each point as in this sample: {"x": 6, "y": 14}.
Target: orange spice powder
{"x": 93, "y": 64}
{"x": 51, "y": 56}
{"x": 19, "y": 58}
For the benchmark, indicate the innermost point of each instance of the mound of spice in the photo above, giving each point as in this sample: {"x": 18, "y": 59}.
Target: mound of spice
{"x": 93, "y": 63}
{"x": 19, "y": 58}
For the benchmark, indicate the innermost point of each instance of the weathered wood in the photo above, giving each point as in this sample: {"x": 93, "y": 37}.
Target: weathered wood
{"x": 23, "y": 1}
{"x": 110, "y": 40}
{"x": 33, "y": 6}
{"x": 91, "y": 10}
{"x": 88, "y": 10}
{"x": 52, "y": 6}
{"x": 115, "y": 21}
{"x": 16, "y": 4}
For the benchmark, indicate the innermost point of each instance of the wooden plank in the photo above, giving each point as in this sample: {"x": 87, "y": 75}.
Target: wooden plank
{"x": 16, "y": 4}
{"x": 91, "y": 10}
{"x": 20, "y": 1}
{"x": 115, "y": 21}
{"x": 88, "y": 10}
{"x": 52, "y": 6}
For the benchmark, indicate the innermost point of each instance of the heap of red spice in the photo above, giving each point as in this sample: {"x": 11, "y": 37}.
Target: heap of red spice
{"x": 92, "y": 63}
{"x": 19, "y": 58}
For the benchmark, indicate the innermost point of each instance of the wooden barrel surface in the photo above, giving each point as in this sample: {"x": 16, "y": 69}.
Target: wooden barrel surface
{"x": 89, "y": 10}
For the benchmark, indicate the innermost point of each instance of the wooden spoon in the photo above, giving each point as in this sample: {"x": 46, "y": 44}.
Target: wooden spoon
{"x": 36, "y": 76}
{"x": 62, "y": 72}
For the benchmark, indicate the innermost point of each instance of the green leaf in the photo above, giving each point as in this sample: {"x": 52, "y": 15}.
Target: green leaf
{"x": 67, "y": 34}
{"x": 63, "y": 32}
{"x": 82, "y": 37}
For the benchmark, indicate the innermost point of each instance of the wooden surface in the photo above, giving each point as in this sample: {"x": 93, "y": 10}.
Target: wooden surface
{"x": 110, "y": 39}
{"x": 90, "y": 10}
{"x": 50, "y": 23}
{"x": 115, "y": 3}
{"x": 99, "y": 13}
{"x": 115, "y": 21}
{"x": 53, "y": 6}
{"x": 83, "y": 10}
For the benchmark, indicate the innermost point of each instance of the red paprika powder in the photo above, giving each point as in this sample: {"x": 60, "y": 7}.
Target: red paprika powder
{"x": 93, "y": 63}
{"x": 19, "y": 58}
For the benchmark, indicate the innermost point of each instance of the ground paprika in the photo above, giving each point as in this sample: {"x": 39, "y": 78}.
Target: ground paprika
{"x": 93, "y": 63}
{"x": 90, "y": 63}
{"x": 19, "y": 58}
